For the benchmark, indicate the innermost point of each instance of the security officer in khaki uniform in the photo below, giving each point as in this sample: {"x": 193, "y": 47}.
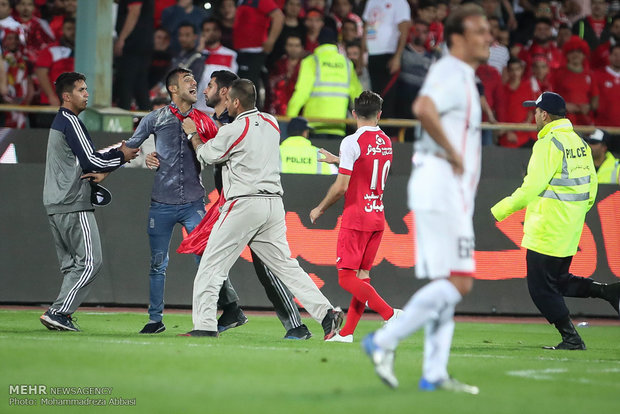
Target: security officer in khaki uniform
{"x": 298, "y": 155}
{"x": 558, "y": 190}
{"x": 607, "y": 166}
{"x": 327, "y": 82}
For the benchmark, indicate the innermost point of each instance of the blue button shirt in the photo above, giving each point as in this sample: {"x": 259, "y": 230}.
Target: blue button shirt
{"x": 177, "y": 180}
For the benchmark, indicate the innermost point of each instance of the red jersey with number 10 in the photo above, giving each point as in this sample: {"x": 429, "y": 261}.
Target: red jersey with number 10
{"x": 366, "y": 156}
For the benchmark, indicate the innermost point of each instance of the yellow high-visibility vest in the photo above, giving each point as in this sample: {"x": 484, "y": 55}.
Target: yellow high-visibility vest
{"x": 327, "y": 82}
{"x": 558, "y": 190}
{"x": 299, "y": 156}
{"x": 609, "y": 171}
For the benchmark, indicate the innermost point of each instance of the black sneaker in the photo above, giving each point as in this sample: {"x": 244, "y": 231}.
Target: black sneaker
{"x": 331, "y": 322}
{"x": 568, "y": 346}
{"x": 301, "y": 332}
{"x": 153, "y": 328}
{"x": 199, "y": 333}
{"x": 58, "y": 322}
{"x": 231, "y": 319}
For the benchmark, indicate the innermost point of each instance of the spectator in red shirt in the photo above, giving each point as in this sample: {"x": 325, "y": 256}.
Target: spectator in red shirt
{"x": 492, "y": 85}
{"x": 575, "y": 83}
{"x": 55, "y": 60}
{"x": 314, "y": 23}
{"x": 428, "y": 13}
{"x": 258, "y": 24}
{"x": 564, "y": 34}
{"x": 600, "y": 56}
{"x": 69, "y": 9}
{"x": 542, "y": 44}
{"x": 293, "y": 25}
{"x": 283, "y": 77}
{"x": 20, "y": 88}
{"x": 594, "y": 29}
{"x": 343, "y": 10}
{"x": 37, "y": 31}
{"x": 608, "y": 82}
{"x": 514, "y": 92}
{"x": 540, "y": 74}
{"x": 225, "y": 13}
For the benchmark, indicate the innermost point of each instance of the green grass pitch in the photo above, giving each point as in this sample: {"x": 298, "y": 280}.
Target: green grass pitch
{"x": 250, "y": 369}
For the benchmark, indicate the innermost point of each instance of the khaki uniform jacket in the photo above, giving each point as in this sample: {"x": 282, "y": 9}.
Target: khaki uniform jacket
{"x": 249, "y": 150}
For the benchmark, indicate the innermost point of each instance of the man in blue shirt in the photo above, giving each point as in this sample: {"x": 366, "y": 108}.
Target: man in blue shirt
{"x": 178, "y": 194}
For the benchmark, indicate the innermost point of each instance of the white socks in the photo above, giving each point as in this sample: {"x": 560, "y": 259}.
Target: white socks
{"x": 432, "y": 303}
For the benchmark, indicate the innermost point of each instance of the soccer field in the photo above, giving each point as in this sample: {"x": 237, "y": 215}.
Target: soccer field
{"x": 250, "y": 369}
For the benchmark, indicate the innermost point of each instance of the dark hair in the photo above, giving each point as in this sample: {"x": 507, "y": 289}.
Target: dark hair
{"x": 245, "y": 91}
{"x": 425, "y": 4}
{"x": 554, "y": 117}
{"x": 368, "y": 104}
{"x": 564, "y": 26}
{"x": 162, "y": 29}
{"x": 612, "y": 47}
{"x": 514, "y": 59}
{"x": 213, "y": 20}
{"x": 66, "y": 82}
{"x": 353, "y": 43}
{"x": 68, "y": 20}
{"x": 420, "y": 21}
{"x": 224, "y": 78}
{"x": 347, "y": 20}
{"x": 544, "y": 20}
{"x": 187, "y": 24}
{"x": 455, "y": 20}
{"x": 172, "y": 77}
{"x": 296, "y": 36}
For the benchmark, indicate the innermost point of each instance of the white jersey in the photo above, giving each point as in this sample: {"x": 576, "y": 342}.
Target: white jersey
{"x": 382, "y": 18}
{"x": 451, "y": 85}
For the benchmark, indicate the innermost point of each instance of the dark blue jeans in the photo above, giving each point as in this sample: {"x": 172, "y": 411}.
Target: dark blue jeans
{"x": 162, "y": 219}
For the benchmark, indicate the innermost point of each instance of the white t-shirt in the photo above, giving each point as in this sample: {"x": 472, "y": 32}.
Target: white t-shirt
{"x": 451, "y": 85}
{"x": 382, "y": 18}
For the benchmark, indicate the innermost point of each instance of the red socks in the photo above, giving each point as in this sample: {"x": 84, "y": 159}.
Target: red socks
{"x": 362, "y": 292}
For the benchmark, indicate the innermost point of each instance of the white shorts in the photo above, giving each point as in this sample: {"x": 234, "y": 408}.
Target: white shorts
{"x": 443, "y": 207}
{"x": 444, "y": 244}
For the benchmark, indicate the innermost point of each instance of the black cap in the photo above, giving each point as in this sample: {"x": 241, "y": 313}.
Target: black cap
{"x": 297, "y": 125}
{"x": 550, "y": 102}
{"x": 328, "y": 35}
{"x": 597, "y": 137}
{"x": 99, "y": 196}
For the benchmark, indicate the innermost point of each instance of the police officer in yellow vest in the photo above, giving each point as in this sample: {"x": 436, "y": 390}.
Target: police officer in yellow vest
{"x": 558, "y": 190}
{"x": 607, "y": 166}
{"x": 298, "y": 155}
{"x": 327, "y": 82}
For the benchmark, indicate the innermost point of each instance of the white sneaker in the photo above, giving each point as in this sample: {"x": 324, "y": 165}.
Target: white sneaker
{"x": 449, "y": 384}
{"x": 382, "y": 359}
{"x": 396, "y": 315}
{"x": 337, "y": 338}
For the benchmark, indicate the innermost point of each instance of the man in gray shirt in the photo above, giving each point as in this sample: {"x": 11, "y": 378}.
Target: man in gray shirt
{"x": 253, "y": 213}
{"x": 71, "y": 158}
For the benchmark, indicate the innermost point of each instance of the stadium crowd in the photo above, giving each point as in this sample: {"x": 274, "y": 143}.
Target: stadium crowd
{"x": 571, "y": 47}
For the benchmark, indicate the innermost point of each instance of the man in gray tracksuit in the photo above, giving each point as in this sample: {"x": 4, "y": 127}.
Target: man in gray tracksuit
{"x": 253, "y": 213}
{"x": 67, "y": 198}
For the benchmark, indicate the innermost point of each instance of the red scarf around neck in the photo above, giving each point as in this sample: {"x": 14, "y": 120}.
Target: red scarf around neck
{"x": 204, "y": 124}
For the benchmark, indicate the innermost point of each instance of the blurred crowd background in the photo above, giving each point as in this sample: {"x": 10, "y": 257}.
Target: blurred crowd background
{"x": 571, "y": 47}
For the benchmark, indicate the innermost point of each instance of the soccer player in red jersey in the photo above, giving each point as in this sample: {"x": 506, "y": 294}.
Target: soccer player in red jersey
{"x": 364, "y": 163}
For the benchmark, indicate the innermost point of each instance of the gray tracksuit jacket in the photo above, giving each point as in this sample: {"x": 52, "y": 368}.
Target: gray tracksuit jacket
{"x": 70, "y": 152}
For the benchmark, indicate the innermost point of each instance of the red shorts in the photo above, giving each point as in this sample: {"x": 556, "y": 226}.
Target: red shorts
{"x": 357, "y": 249}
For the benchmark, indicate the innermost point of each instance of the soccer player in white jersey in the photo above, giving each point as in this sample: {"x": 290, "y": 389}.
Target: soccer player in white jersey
{"x": 443, "y": 184}
{"x": 364, "y": 163}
